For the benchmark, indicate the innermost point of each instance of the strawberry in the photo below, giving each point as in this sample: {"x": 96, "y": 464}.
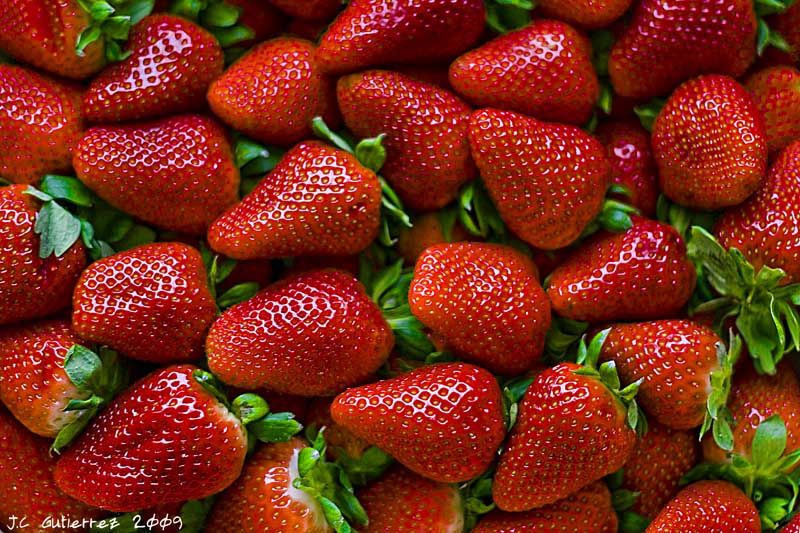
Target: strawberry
{"x": 485, "y": 301}
{"x": 341, "y": 443}
{"x": 710, "y": 144}
{"x": 547, "y": 180}
{"x": 442, "y": 421}
{"x": 40, "y": 124}
{"x": 543, "y": 70}
{"x": 371, "y": 33}
{"x": 151, "y": 303}
{"x": 317, "y": 201}
{"x": 309, "y": 9}
{"x": 429, "y": 229}
{"x": 640, "y": 274}
{"x": 427, "y": 151}
{"x": 776, "y": 91}
{"x": 177, "y": 173}
{"x": 259, "y": 17}
{"x": 310, "y": 335}
{"x": 172, "y": 62}
{"x": 585, "y": 13}
{"x": 31, "y": 286}
{"x": 588, "y": 510}
{"x": 272, "y": 93}
{"x": 793, "y": 526}
{"x": 708, "y": 506}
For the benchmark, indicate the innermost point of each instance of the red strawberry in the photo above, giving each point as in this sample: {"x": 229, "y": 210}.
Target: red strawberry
{"x": 427, "y": 149}
{"x": 341, "y": 443}
{"x": 548, "y": 181}
{"x": 429, "y": 229}
{"x": 317, "y": 201}
{"x": 172, "y": 63}
{"x": 31, "y": 287}
{"x": 708, "y": 506}
{"x": 543, "y": 70}
{"x": 485, "y": 301}
{"x": 309, "y": 9}
{"x": 776, "y": 91}
{"x": 371, "y": 33}
{"x": 710, "y": 144}
{"x": 272, "y": 93}
{"x": 586, "y": 13}
{"x": 261, "y": 18}
{"x": 669, "y": 41}
{"x": 177, "y": 173}
{"x": 640, "y": 274}
{"x": 588, "y": 510}
{"x": 151, "y": 303}
{"x": 40, "y": 124}
{"x": 793, "y": 526}
{"x": 310, "y": 335}
{"x": 443, "y": 421}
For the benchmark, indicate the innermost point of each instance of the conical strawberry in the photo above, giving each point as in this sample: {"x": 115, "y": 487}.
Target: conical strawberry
{"x": 708, "y": 506}
{"x": 776, "y": 91}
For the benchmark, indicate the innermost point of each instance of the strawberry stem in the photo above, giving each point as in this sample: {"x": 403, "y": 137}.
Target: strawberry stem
{"x": 111, "y": 21}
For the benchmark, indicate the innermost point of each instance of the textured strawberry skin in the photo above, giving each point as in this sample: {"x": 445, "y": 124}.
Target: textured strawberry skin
{"x": 176, "y": 173}
{"x": 427, "y": 149}
{"x": 443, "y": 421}
{"x": 710, "y": 144}
{"x": 640, "y": 274}
{"x": 549, "y": 454}
{"x": 172, "y": 63}
{"x": 669, "y": 41}
{"x": 309, "y": 9}
{"x": 585, "y": 13}
{"x": 485, "y": 301}
{"x": 273, "y": 92}
{"x": 548, "y": 181}
{"x": 793, "y": 526}
{"x": 151, "y": 303}
{"x": 542, "y": 70}
{"x": 166, "y": 439}
{"x": 317, "y": 201}
{"x": 708, "y": 506}
{"x": 31, "y": 287}
{"x": 370, "y": 33}
{"x": 776, "y": 91}
{"x": 427, "y": 231}
{"x": 40, "y": 124}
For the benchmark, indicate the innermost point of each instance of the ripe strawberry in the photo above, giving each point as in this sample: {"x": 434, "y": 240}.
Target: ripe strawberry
{"x": 793, "y": 526}
{"x": 708, "y": 506}
{"x": 177, "y": 173}
{"x": 309, "y": 9}
{"x": 310, "y": 335}
{"x": 429, "y": 229}
{"x": 317, "y": 201}
{"x": 640, "y": 274}
{"x": 341, "y": 443}
{"x": 371, "y": 33}
{"x": 710, "y": 144}
{"x": 151, "y": 303}
{"x": 588, "y": 510}
{"x": 585, "y": 13}
{"x": 485, "y": 301}
{"x": 442, "y": 421}
{"x": 40, "y": 124}
{"x": 272, "y": 93}
{"x": 427, "y": 149}
{"x": 30, "y": 286}
{"x": 543, "y": 70}
{"x": 548, "y": 181}
{"x": 171, "y": 65}
{"x": 776, "y": 91}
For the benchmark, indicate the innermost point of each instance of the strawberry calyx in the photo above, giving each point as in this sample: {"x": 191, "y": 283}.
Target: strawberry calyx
{"x": 614, "y": 216}
{"x": 718, "y": 418}
{"x": 477, "y": 213}
{"x": 622, "y": 500}
{"x": 765, "y": 37}
{"x": 563, "y": 337}
{"x": 220, "y": 18}
{"x": 476, "y": 495}
{"x": 111, "y": 20}
{"x": 514, "y": 390}
{"x": 254, "y": 161}
{"x": 219, "y": 268}
{"x": 503, "y": 16}
{"x": 602, "y": 42}
{"x": 682, "y": 218}
{"x": 648, "y": 112}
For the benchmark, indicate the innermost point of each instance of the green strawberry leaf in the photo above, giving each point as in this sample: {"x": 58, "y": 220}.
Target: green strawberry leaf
{"x": 563, "y": 337}
{"x": 647, "y": 113}
{"x": 58, "y": 230}
{"x": 371, "y": 153}
{"x": 478, "y": 214}
{"x": 769, "y": 441}
{"x": 477, "y": 497}
{"x": 503, "y": 16}
{"x": 136, "y": 235}
{"x": 238, "y": 294}
{"x": 218, "y": 17}
{"x": 111, "y": 21}
{"x": 630, "y": 522}
{"x": 682, "y": 218}
{"x": 324, "y": 132}
{"x": 717, "y": 417}
{"x": 82, "y": 366}
{"x": 254, "y": 161}
{"x": 366, "y": 468}
{"x": 67, "y": 188}
{"x": 393, "y": 217}
{"x": 275, "y": 427}
{"x": 249, "y": 407}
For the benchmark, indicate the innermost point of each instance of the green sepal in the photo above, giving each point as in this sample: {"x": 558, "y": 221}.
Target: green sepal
{"x": 275, "y": 427}
{"x": 210, "y": 383}
{"x": 770, "y": 7}
{"x": 238, "y": 294}
{"x": 254, "y": 161}
{"x": 648, "y": 112}
{"x": 563, "y": 337}
{"x": 371, "y": 153}
{"x": 324, "y": 132}
{"x": 218, "y": 17}
{"x": 58, "y": 230}
{"x": 765, "y": 37}
{"x": 503, "y": 16}
{"x": 249, "y": 407}
{"x": 477, "y": 497}
{"x": 66, "y": 188}
{"x": 682, "y": 218}
{"x": 111, "y": 21}
{"x": 478, "y": 214}
{"x": 513, "y": 391}
{"x": 614, "y": 216}
{"x": 366, "y": 468}
{"x": 717, "y": 417}
{"x": 602, "y": 42}
{"x": 630, "y": 522}
{"x": 622, "y": 500}
{"x": 393, "y": 216}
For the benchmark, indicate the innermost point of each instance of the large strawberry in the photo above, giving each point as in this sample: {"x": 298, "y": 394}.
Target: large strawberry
{"x": 427, "y": 150}
{"x": 172, "y": 62}
{"x": 548, "y": 181}
{"x": 776, "y": 91}
{"x": 40, "y": 124}
{"x": 309, "y": 9}
{"x": 272, "y": 93}
{"x": 585, "y": 13}
{"x": 443, "y": 421}
{"x": 177, "y": 173}
{"x": 31, "y": 286}
{"x": 710, "y": 144}
{"x": 484, "y": 301}
{"x": 151, "y": 303}
{"x": 640, "y": 274}
{"x": 371, "y": 33}
{"x": 543, "y": 70}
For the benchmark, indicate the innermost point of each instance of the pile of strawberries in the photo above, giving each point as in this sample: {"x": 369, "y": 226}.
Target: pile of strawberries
{"x": 432, "y": 266}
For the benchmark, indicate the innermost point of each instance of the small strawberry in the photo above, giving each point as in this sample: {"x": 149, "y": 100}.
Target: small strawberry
{"x": 172, "y": 62}
{"x": 776, "y": 91}
{"x": 272, "y": 93}
{"x": 543, "y": 70}
{"x": 442, "y": 421}
{"x": 429, "y": 229}
{"x": 585, "y": 13}
{"x": 640, "y": 274}
{"x": 710, "y": 144}
{"x": 151, "y": 303}
{"x": 371, "y": 33}
{"x": 40, "y": 124}
{"x": 309, "y": 9}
